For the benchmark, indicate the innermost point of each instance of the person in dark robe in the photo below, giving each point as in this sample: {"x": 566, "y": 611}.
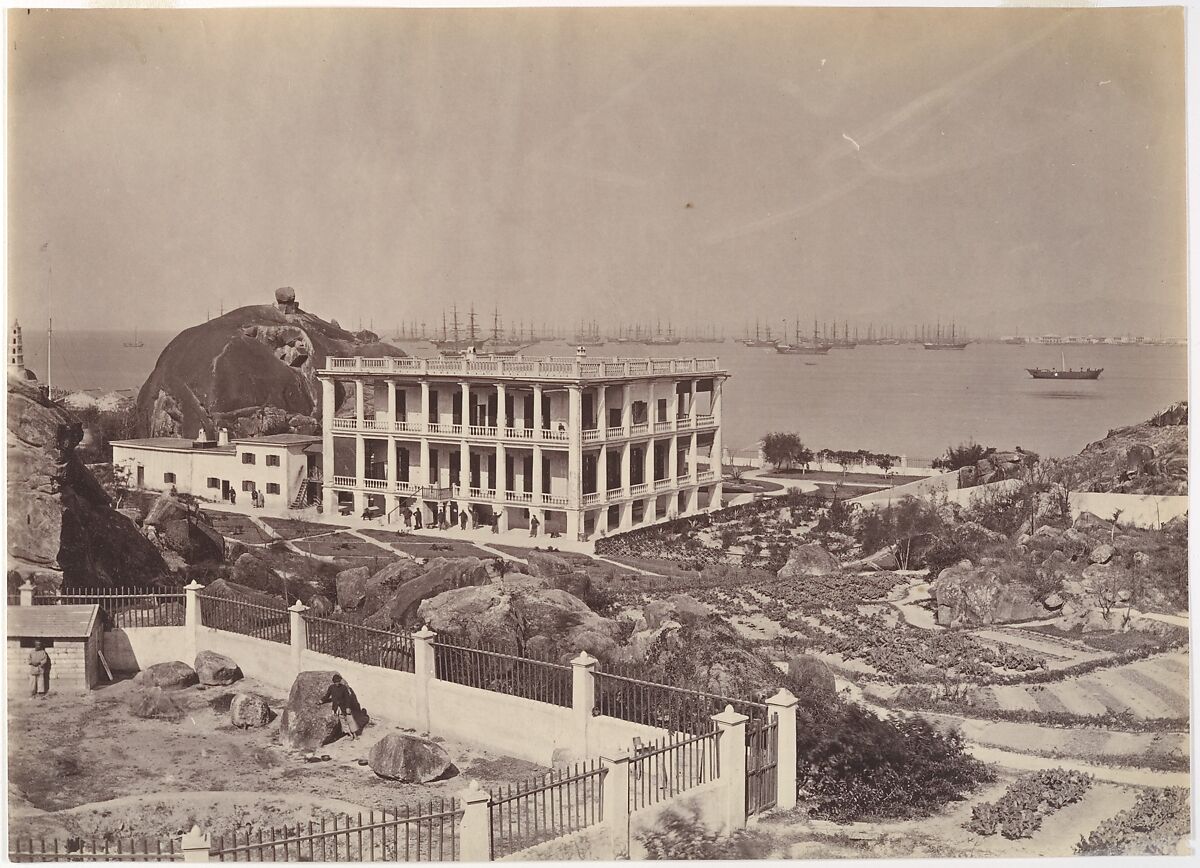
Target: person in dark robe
{"x": 345, "y": 705}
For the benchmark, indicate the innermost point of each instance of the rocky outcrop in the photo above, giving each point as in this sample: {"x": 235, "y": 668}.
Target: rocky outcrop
{"x": 174, "y": 675}
{"x": 409, "y": 759}
{"x": 544, "y": 622}
{"x": 307, "y": 723}
{"x": 62, "y": 527}
{"x": 884, "y": 559}
{"x": 970, "y": 595}
{"x": 401, "y": 609}
{"x": 184, "y": 531}
{"x": 1147, "y": 458}
{"x": 809, "y": 559}
{"x": 156, "y": 704}
{"x": 249, "y": 711}
{"x": 216, "y": 669}
{"x": 252, "y": 370}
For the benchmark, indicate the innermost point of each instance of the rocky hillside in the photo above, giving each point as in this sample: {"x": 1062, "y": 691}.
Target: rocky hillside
{"x": 252, "y": 371}
{"x": 1150, "y": 457}
{"x": 62, "y": 527}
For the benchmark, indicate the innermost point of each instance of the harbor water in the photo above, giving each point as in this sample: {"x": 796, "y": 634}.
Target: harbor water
{"x": 901, "y": 399}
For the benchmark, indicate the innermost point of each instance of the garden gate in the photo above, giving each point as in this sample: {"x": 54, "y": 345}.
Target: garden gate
{"x": 762, "y": 765}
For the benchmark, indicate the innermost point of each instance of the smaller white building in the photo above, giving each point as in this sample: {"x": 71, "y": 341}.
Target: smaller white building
{"x": 284, "y": 468}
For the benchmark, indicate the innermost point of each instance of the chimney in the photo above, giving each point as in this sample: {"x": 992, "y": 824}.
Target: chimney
{"x": 581, "y": 352}
{"x": 222, "y": 436}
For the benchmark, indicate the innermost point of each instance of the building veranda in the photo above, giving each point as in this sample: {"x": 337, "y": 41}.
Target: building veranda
{"x": 583, "y": 445}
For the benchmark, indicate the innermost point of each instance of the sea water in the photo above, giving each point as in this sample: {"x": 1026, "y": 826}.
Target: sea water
{"x": 901, "y": 399}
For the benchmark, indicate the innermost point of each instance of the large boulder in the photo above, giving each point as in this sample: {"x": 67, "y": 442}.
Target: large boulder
{"x": 174, "y": 675}
{"x": 408, "y": 759}
{"x": 883, "y": 560}
{"x": 213, "y": 668}
{"x": 505, "y": 614}
{"x": 542, "y": 565}
{"x": 249, "y": 710}
{"x": 1102, "y": 554}
{"x": 679, "y": 608}
{"x": 352, "y": 587}
{"x": 154, "y": 703}
{"x": 811, "y": 678}
{"x": 972, "y": 595}
{"x": 184, "y": 531}
{"x": 62, "y": 527}
{"x": 306, "y": 722}
{"x": 252, "y": 370}
{"x": 809, "y": 559}
{"x": 400, "y": 610}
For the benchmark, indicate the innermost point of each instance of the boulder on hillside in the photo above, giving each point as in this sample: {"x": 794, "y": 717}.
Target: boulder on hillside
{"x": 972, "y": 533}
{"x": 306, "y": 722}
{"x": 154, "y": 703}
{"x": 216, "y": 669}
{"x": 678, "y": 607}
{"x": 184, "y": 531}
{"x": 249, "y": 711}
{"x": 1092, "y": 525}
{"x": 252, "y": 571}
{"x": 885, "y": 559}
{"x": 541, "y": 565}
{"x": 809, "y": 559}
{"x": 400, "y": 610}
{"x": 1102, "y": 554}
{"x": 503, "y": 615}
{"x": 174, "y": 675}
{"x": 409, "y": 759}
{"x": 972, "y": 595}
{"x": 352, "y": 587}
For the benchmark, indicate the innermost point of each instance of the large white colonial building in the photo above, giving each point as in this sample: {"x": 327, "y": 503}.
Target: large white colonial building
{"x": 586, "y": 445}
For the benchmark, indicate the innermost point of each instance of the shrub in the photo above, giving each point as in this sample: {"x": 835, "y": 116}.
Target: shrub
{"x": 1154, "y": 825}
{"x": 683, "y": 836}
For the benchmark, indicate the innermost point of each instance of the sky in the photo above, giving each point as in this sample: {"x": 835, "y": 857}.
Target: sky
{"x": 1012, "y": 170}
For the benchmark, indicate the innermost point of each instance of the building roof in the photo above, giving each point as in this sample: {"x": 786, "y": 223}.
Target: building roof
{"x": 181, "y": 444}
{"x": 52, "y": 622}
{"x": 280, "y": 440}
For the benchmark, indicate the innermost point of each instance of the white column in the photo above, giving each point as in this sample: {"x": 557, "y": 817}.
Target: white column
{"x": 602, "y": 471}
{"x": 602, "y": 411}
{"x": 464, "y": 468}
{"x": 393, "y": 471}
{"x": 500, "y": 483}
{"x": 575, "y": 524}
{"x": 693, "y": 456}
{"x": 328, "y": 498}
{"x": 616, "y": 803}
{"x": 360, "y": 461}
{"x": 673, "y": 459}
{"x": 626, "y": 467}
{"x": 651, "y": 510}
{"x": 692, "y": 405}
{"x": 360, "y": 403}
{"x": 425, "y": 403}
{"x": 673, "y": 406}
{"x": 626, "y": 408}
{"x": 466, "y": 404}
{"x": 651, "y": 407}
{"x": 191, "y": 616}
{"x": 783, "y": 704}
{"x": 732, "y": 745}
{"x": 501, "y": 411}
{"x": 27, "y": 589}
{"x": 537, "y": 412}
{"x": 425, "y": 670}
{"x": 391, "y": 406}
{"x": 575, "y": 446}
{"x": 538, "y": 480}
{"x": 648, "y": 464}
{"x": 717, "y": 457}
{"x": 299, "y": 635}
{"x": 583, "y": 699}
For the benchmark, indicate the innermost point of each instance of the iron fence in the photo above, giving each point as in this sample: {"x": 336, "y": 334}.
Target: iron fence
{"x": 544, "y": 808}
{"x": 125, "y": 607}
{"x": 360, "y": 644}
{"x": 491, "y": 669}
{"x": 29, "y": 849}
{"x": 249, "y": 619}
{"x": 663, "y": 769}
{"x": 427, "y": 834}
{"x": 664, "y": 706}
{"x": 762, "y": 765}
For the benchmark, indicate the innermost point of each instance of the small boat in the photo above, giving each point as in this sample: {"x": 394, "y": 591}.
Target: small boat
{"x": 1065, "y": 373}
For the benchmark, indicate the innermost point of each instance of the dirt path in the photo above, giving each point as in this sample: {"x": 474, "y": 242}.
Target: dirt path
{"x": 1115, "y": 774}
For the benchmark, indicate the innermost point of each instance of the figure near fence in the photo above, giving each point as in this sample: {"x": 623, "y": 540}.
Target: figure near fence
{"x": 39, "y": 668}
{"x": 345, "y": 705}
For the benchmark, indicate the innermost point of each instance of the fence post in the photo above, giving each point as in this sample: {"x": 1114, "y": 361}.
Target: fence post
{"x": 583, "y": 698}
{"x": 425, "y": 668}
{"x": 732, "y": 746}
{"x": 194, "y": 845}
{"x": 26, "y": 593}
{"x": 615, "y": 787}
{"x": 783, "y": 706}
{"x": 191, "y": 618}
{"x": 299, "y": 632}
{"x": 475, "y": 833}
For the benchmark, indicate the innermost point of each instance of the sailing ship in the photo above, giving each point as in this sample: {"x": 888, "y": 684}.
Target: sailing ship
{"x": 135, "y": 343}
{"x": 845, "y": 343}
{"x": 588, "y": 335}
{"x": 1065, "y": 373}
{"x": 658, "y": 339}
{"x": 758, "y": 340}
{"x": 799, "y": 348}
{"x": 951, "y": 344}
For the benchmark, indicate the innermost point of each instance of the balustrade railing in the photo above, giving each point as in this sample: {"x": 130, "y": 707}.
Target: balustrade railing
{"x": 525, "y": 368}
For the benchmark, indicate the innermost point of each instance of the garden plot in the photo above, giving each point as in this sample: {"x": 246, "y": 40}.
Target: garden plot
{"x": 84, "y": 765}
{"x": 293, "y": 529}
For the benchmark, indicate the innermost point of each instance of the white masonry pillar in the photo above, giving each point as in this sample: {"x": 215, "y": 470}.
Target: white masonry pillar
{"x": 651, "y": 408}
{"x": 602, "y": 411}
{"x": 466, "y": 405}
{"x": 692, "y": 405}
{"x": 360, "y": 462}
{"x": 602, "y": 473}
{"x": 783, "y": 705}
{"x": 626, "y": 408}
{"x": 328, "y": 497}
{"x": 538, "y": 480}
{"x": 583, "y": 699}
{"x": 501, "y": 410}
{"x": 732, "y": 747}
{"x": 717, "y": 455}
{"x": 391, "y": 406}
{"x": 626, "y": 467}
{"x": 537, "y": 411}
{"x": 574, "y": 446}
{"x": 360, "y": 403}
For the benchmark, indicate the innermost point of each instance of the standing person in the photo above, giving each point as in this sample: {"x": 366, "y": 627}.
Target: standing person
{"x": 417, "y": 518}
{"x": 407, "y": 513}
{"x": 462, "y": 519}
{"x": 533, "y": 525}
{"x": 39, "y": 668}
{"x": 345, "y": 705}
{"x": 232, "y": 497}
{"x": 495, "y": 522}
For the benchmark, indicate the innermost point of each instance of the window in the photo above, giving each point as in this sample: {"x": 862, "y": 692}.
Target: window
{"x": 169, "y": 477}
{"x": 272, "y": 488}
{"x": 214, "y": 482}
{"x": 272, "y": 461}
{"x": 247, "y": 485}
{"x": 247, "y": 457}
